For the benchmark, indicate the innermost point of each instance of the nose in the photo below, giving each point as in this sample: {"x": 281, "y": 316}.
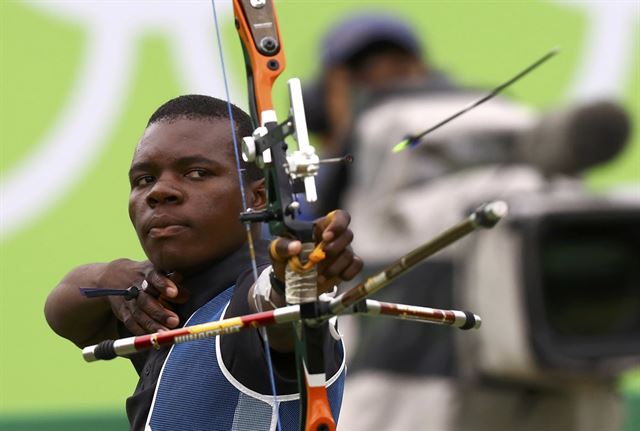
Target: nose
{"x": 164, "y": 192}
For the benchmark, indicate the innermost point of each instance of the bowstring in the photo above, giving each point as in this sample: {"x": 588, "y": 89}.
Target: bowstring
{"x": 252, "y": 253}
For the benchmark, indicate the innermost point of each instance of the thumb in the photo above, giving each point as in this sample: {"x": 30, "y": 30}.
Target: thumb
{"x": 281, "y": 250}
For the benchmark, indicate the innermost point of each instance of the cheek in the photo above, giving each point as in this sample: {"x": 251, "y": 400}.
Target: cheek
{"x": 229, "y": 198}
{"x": 220, "y": 214}
{"x": 131, "y": 209}
{"x": 134, "y": 211}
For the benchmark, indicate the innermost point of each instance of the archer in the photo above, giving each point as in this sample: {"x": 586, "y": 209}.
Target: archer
{"x": 184, "y": 206}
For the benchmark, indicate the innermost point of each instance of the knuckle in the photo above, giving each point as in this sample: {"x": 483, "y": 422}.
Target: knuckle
{"x": 128, "y": 321}
{"x": 348, "y": 235}
{"x": 344, "y": 258}
{"x": 282, "y": 246}
{"x": 355, "y": 268}
{"x": 116, "y": 303}
{"x": 158, "y": 314}
{"x": 149, "y": 324}
{"x": 151, "y": 292}
{"x": 337, "y": 267}
{"x": 346, "y": 217}
{"x": 155, "y": 279}
{"x": 347, "y": 276}
{"x": 141, "y": 301}
{"x": 138, "y": 315}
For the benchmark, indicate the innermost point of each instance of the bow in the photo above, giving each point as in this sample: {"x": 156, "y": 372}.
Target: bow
{"x": 285, "y": 175}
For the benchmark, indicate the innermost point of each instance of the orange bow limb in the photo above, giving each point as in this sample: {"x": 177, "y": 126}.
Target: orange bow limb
{"x": 318, "y": 412}
{"x": 263, "y": 49}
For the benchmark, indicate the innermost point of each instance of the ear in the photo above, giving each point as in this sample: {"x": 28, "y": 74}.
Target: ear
{"x": 258, "y": 195}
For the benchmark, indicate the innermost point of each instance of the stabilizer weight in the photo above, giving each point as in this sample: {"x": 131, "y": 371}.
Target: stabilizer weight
{"x": 104, "y": 350}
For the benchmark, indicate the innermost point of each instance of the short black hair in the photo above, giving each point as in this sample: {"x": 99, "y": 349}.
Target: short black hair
{"x": 198, "y": 106}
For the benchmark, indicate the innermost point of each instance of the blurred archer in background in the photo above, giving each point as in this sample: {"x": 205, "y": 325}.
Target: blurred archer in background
{"x": 538, "y": 362}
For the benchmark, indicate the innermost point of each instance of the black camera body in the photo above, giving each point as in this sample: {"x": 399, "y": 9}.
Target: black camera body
{"x": 558, "y": 287}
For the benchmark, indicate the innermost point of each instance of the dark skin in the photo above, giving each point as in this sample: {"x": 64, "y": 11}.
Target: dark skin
{"x": 184, "y": 205}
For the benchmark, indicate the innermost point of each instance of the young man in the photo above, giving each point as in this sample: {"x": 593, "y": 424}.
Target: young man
{"x": 184, "y": 204}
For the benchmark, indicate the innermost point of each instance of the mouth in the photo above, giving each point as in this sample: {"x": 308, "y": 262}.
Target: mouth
{"x": 164, "y": 227}
{"x": 167, "y": 231}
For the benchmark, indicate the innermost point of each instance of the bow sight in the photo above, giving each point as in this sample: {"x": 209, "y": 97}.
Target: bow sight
{"x": 268, "y": 146}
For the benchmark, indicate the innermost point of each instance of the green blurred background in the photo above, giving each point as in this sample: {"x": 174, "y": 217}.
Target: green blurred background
{"x": 79, "y": 79}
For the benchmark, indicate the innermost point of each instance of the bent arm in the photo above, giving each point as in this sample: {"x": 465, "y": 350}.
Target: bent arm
{"x": 83, "y": 320}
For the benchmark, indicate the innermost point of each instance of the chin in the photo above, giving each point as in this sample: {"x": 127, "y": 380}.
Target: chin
{"x": 167, "y": 259}
{"x": 186, "y": 257}
{"x": 181, "y": 262}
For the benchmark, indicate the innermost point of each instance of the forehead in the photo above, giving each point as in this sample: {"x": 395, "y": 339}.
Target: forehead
{"x": 183, "y": 137}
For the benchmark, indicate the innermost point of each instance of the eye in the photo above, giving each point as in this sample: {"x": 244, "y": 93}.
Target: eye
{"x": 143, "y": 180}
{"x": 197, "y": 173}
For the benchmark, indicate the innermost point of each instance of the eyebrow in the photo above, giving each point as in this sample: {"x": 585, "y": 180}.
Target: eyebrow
{"x": 182, "y": 161}
{"x": 195, "y": 160}
{"x": 140, "y": 166}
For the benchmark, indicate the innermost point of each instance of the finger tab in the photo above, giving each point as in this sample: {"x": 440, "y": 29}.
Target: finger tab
{"x": 318, "y": 254}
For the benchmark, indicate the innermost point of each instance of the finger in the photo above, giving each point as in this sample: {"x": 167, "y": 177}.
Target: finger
{"x": 339, "y": 244}
{"x": 122, "y": 313}
{"x": 281, "y": 249}
{"x": 145, "y": 321}
{"x": 156, "y": 311}
{"x": 332, "y": 225}
{"x": 161, "y": 284}
{"x": 335, "y": 267}
{"x": 183, "y": 292}
{"x": 352, "y": 270}
{"x": 131, "y": 324}
{"x": 327, "y": 282}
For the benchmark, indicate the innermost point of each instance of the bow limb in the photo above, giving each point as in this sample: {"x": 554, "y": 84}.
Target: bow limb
{"x": 263, "y": 53}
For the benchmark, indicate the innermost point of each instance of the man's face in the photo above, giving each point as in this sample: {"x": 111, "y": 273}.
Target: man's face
{"x": 185, "y": 198}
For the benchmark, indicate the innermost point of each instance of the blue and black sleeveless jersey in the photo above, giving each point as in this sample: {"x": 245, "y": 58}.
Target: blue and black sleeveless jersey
{"x": 222, "y": 383}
